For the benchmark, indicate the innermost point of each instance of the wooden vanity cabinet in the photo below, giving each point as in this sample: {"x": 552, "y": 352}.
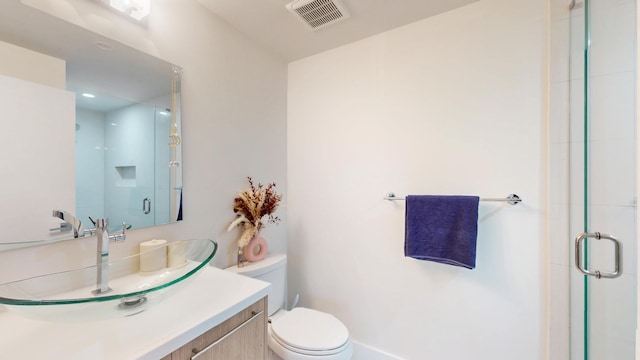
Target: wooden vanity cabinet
{"x": 242, "y": 337}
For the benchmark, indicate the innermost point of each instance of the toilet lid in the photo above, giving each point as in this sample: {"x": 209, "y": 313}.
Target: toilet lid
{"x": 310, "y": 330}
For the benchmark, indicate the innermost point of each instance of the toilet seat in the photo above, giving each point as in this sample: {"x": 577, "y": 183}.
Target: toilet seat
{"x": 310, "y": 332}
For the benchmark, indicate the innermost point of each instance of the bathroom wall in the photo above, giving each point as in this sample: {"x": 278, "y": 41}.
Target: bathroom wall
{"x": 560, "y": 237}
{"x": 29, "y": 65}
{"x": 234, "y": 126}
{"x": 163, "y": 188}
{"x": 89, "y": 169}
{"x": 454, "y": 104}
{"x": 134, "y": 136}
{"x": 129, "y": 164}
{"x": 21, "y": 88}
{"x": 36, "y": 190}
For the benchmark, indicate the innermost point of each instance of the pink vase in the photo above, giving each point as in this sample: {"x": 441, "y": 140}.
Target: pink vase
{"x": 256, "y": 249}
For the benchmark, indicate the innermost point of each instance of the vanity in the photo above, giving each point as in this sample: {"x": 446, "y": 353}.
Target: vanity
{"x": 217, "y": 314}
{"x": 95, "y": 173}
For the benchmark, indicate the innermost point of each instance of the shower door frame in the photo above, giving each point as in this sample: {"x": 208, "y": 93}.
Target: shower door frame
{"x": 595, "y": 328}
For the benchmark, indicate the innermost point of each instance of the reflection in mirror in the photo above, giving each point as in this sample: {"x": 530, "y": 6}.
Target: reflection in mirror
{"x": 122, "y": 162}
{"x": 127, "y": 134}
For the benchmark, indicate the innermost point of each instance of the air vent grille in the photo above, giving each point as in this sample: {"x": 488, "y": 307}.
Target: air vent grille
{"x": 319, "y": 13}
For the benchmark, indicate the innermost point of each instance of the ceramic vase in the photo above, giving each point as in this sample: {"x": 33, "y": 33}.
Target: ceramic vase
{"x": 256, "y": 249}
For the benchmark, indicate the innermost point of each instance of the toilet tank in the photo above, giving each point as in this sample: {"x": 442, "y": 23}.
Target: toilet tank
{"x": 272, "y": 269}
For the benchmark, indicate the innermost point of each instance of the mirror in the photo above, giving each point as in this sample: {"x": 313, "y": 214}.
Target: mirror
{"x": 122, "y": 162}
{"x": 127, "y": 136}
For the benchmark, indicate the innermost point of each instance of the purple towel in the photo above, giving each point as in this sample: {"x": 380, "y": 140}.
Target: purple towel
{"x": 442, "y": 229}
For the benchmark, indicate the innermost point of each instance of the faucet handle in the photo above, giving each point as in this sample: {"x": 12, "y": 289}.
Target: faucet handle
{"x": 121, "y": 235}
{"x": 65, "y": 226}
{"x": 68, "y": 220}
{"x": 96, "y": 223}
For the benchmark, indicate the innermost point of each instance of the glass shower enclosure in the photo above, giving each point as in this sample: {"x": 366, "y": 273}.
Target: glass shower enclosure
{"x": 602, "y": 181}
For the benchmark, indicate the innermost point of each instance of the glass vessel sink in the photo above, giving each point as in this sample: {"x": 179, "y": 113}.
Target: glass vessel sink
{"x": 67, "y": 296}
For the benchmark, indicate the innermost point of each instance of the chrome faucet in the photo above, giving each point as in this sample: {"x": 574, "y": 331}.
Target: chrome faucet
{"x": 102, "y": 234}
{"x": 102, "y": 258}
{"x": 74, "y": 222}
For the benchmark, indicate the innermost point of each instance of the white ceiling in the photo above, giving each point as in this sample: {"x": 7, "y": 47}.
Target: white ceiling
{"x": 269, "y": 23}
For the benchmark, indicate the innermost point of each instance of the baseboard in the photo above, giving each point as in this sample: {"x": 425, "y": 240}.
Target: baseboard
{"x": 366, "y": 352}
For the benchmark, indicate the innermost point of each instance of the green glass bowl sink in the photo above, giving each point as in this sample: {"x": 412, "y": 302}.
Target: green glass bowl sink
{"x": 67, "y": 296}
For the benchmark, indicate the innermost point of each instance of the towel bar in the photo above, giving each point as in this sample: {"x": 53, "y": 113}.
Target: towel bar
{"x": 511, "y": 199}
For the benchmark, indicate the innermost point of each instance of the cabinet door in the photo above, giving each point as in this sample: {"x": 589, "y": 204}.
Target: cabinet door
{"x": 242, "y": 337}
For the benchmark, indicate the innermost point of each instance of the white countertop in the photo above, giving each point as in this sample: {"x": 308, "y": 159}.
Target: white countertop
{"x": 210, "y": 298}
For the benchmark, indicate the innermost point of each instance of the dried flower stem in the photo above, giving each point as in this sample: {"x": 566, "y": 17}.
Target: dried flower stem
{"x": 255, "y": 203}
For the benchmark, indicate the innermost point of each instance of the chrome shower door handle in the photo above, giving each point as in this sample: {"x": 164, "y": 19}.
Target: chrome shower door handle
{"x": 596, "y": 273}
{"x": 146, "y": 206}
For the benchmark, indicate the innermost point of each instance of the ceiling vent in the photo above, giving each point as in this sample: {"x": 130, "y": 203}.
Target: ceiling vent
{"x": 318, "y": 14}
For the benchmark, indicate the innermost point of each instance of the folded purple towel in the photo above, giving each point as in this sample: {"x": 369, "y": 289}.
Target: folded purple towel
{"x": 442, "y": 229}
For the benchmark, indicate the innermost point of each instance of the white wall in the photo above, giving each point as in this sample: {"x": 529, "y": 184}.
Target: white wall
{"x": 130, "y": 145}
{"x": 34, "y": 191}
{"x": 162, "y": 206}
{"x": 34, "y": 199}
{"x": 135, "y": 136}
{"x": 32, "y": 66}
{"x": 559, "y": 233}
{"x": 454, "y": 104}
{"x": 637, "y": 132}
{"x": 234, "y": 125}
{"x": 89, "y": 170}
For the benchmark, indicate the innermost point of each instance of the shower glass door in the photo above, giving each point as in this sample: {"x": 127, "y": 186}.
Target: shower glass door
{"x": 603, "y": 179}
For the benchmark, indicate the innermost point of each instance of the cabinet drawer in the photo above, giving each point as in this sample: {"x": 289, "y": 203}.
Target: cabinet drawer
{"x": 241, "y": 337}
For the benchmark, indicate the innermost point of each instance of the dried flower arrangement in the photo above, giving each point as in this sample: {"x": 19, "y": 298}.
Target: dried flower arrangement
{"x": 251, "y": 206}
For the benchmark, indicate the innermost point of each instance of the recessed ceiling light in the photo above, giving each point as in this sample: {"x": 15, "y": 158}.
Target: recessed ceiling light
{"x": 87, "y": 95}
{"x": 134, "y": 9}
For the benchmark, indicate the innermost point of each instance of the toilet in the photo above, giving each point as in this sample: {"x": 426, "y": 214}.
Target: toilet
{"x": 301, "y": 333}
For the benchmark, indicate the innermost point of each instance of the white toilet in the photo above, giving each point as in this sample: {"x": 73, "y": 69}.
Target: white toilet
{"x": 301, "y": 333}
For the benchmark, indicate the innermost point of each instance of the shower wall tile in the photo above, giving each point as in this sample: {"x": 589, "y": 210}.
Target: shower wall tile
{"x": 559, "y": 173}
{"x": 89, "y": 172}
{"x": 559, "y": 120}
{"x": 576, "y": 313}
{"x": 560, "y": 238}
{"x": 618, "y": 221}
{"x": 612, "y": 41}
{"x": 577, "y": 46}
{"x": 559, "y": 321}
{"x": 559, "y": 49}
{"x": 559, "y": 9}
{"x": 559, "y": 112}
{"x": 613, "y": 102}
{"x": 576, "y": 110}
{"x": 612, "y": 177}
{"x": 576, "y": 222}
{"x": 612, "y": 160}
{"x": 576, "y": 171}
{"x": 123, "y": 201}
{"x": 614, "y": 349}
{"x": 612, "y": 306}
